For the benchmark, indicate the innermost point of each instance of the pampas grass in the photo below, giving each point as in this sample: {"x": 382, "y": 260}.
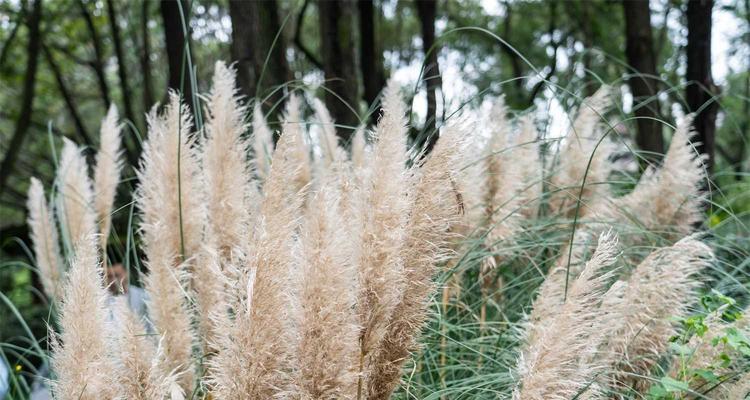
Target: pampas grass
{"x": 107, "y": 174}
{"x": 75, "y": 207}
{"x": 307, "y": 271}
{"x": 43, "y": 233}
{"x": 81, "y": 355}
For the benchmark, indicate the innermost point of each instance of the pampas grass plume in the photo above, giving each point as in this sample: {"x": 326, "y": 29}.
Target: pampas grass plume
{"x": 75, "y": 207}
{"x": 43, "y": 233}
{"x": 107, "y": 173}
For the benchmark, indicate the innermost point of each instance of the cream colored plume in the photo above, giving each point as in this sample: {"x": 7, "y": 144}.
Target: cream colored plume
{"x": 385, "y": 209}
{"x": 43, "y": 234}
{"x": 170, "y": 198}
{"x": 75, "y": 207}
{"x": 168, "y": 311}
{"x": 668, "y": 200}
{"x": 262, "y": 142}
{"x": 329, "y": 141}
{"x": 293, "y": 125}
{"x": 224, "y": 165}
{"x": 559, "y": 362}
{"x": 137, "y": 357}
{"x": 658, "y": 291}
{"x": 81, "y": 358}
{"x": 107, "y": 173}
{"x": 583, "y": 155}
{"x": 527, "y": 156}
{"x": 255, "y": 348}
{"x": 359, "y": 148}
{"x": 328, "y": 348}
{"x": 436, "y": 208}
{"x": 170, "y": 194}
{"x": 504, "y": 181}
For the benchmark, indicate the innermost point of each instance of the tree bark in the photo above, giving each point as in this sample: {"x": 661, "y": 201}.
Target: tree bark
{"x": 339, "y": 64}
{"x": 148, "y": 94}
{"x": 98, "y": 63}
{"x": 27, "y": 96}
{"x": 68, "y": 97}
{"x": 259, "y": 48}
{"x": 643, "y": 81}
{"x": 700, "y": 85}
{"x": 120, "y": 61}
{"x": 371, "y": 54}
{"x": 427, "y": 11}
{"x": 177, "y": 46}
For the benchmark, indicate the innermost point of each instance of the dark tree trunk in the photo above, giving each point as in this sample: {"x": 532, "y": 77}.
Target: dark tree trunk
{"x": 259, "y": 48}
{"x": 427, "y": 10}
{"x": 700, "y": 85}
{"x": 122, "y": 73}
{"x": 339, "y": 64}
{"x": 98, "y": 63}
{"x": 68, "y": 97}
{"x": 371, "y": 54}
{"x": 148, "y": 94}
{"x": 644, "y": 84}
{"x": 27, "y": 96}
{"x": 177, "y": 46}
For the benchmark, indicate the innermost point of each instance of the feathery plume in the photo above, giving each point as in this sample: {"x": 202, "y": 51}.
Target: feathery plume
{"x": 292, "y": 125}
{"x": 170, "y": 194}
{"x": 435, "y": 209}
{"x": 329, "y": 142}
{"x": 137, "y": 357}
{"x": 107, "y": 174}
{"x": 504, "y": 182}
{"x": 75, "y": 208}
{"x": 171, "y": 204}
{"x": 359, "y": 148}
{"x": 80, "y": 359}
{"x": 328, "y": 347}
{"x": 224, "y": 167}
{"x": 558, "y": 362}
{"x": 658, "y": 291}
{"x": 210, "y": 278}
{"x": 43, "y": 235}
{"x": 256, "y": 347}
{"x": 583, "y": 156}
{"x": 167, "y": 310}
{"x": 381, "y": 274}
{"x": 668, "y": 200}
{"x": 527, "y": 156}
{"x": 262, "y": 142}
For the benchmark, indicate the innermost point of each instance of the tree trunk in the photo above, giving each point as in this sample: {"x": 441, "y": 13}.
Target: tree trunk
{"x": 98, "y": 63}
{"x": 371, "y": 54}
{"x": 427, "y": 10}
{"x": 68, "y": 97}
{"x": 177, "y": 47}
{"x": 120, "y": 61}
{"x": 700, "y": 85}
{"x": 259, "y": 48}
{"x": 148, "y": 94}
{"x": 644, "y": 84}
{"x": 336, "y": 19}
{"x": 27, "y": 96}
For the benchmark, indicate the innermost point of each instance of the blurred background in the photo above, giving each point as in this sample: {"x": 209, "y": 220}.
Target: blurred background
{"x": 62, "y": 63}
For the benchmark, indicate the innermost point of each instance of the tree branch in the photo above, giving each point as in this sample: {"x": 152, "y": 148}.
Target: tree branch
{"x": 298, "y": 39}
